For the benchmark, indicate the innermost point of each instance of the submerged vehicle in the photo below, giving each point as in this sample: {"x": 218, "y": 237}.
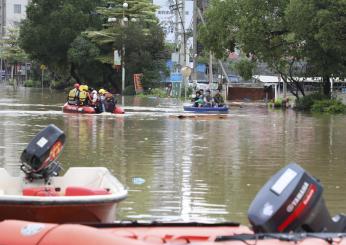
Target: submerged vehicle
{"x": 88, "y": 109}
{"x": 289, "y": 209}
{"x": 83, "y": 194}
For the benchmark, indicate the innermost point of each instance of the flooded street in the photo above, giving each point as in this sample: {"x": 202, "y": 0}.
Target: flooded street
{"x": 182, "y": 169}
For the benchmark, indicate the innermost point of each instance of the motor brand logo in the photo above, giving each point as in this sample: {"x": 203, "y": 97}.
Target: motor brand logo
{"x": 268, "y": 209}
{"x": 298, "y": 198}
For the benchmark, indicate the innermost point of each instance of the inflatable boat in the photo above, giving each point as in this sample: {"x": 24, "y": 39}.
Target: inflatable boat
{"x": 87, "y": 109}
{"x": 222, "y": 109}
{"x": 289, "y": 209}
{"x": 82, "y": 194}
{"x": 29, "y": 233}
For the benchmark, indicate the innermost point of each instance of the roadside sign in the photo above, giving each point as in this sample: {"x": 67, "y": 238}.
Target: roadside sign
{"x": 176, "y": 78}
{"x": 117, "y": 58}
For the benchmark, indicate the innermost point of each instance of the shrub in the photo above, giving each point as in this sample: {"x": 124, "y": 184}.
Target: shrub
{"x": 32, "y": 83}
{"x": 158, "y": 92}
{"x": 130, "y": 90}
{"x": 57, "y": 84}
{"x": 329, "y": 106}
{"x": 278, "y": 103}
{"x": 305, "y": 103}
{"x": 189, "y": 91}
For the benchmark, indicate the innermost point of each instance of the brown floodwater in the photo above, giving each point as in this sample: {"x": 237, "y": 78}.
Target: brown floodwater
{"x": 182, "y": 169}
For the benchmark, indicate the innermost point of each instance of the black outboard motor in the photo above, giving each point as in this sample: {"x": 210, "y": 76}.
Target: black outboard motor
{"x": 39, "y": 157}
{"x": 292, "y": 201}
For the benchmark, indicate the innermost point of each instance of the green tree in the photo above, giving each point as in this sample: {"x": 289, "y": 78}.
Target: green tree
{"x": 143, "y": 38}
{"x": 10, "y": 50}
{"x": 245, "y": 68}
{"x": 320, "y": 27}
{"x": 295, "y": 38}
{"x": 218, "y": 34}
{"x": 50, "y": 28}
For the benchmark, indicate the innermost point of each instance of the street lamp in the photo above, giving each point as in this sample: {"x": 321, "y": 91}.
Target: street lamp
{"x": 123, "y": 22}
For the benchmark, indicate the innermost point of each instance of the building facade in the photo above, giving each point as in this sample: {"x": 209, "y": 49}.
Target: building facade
{"x": 11, "y": 13}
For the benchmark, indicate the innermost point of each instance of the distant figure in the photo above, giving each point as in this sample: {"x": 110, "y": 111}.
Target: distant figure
{"x": 169, "y": 89}
{"x": 218, "y": 99}
{"x": 73, "y": 95}
{"x": 219, "y": 85}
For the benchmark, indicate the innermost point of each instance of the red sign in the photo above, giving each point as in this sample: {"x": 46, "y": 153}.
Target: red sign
{"x": 138, "y": 83}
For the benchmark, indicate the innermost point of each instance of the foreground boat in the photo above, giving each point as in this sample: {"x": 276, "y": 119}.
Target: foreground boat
{"x": 82, "y": 195}
{"x": 289, "y": 209}
{"x": 222, "y": 109}
{"x": 21, "y": 232}
{"x": 87, "y": 109}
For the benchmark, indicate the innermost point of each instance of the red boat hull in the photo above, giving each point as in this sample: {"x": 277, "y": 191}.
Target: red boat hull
{"x": 62, "y": 213}
{"x": 87, "y": 109}
{"x": 21, "y": 232}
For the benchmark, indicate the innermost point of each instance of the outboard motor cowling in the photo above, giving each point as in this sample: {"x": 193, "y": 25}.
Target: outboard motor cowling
{"x": 39, "y": 157}
{"x": 292, "y": 201}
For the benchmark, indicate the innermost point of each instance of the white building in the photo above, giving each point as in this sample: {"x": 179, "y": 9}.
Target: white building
{"x": 166, "y": 16}
{"x": 11, "y": 13}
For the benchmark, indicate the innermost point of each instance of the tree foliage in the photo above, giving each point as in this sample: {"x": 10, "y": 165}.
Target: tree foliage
{"x": 245, "y": 68}
{"x": 294, "y": 37}
{"x": 143, "y": 39}
{"x": 75, "y": 41}
{"x": 10, "y": 50}
{"x": 50, "y": 28}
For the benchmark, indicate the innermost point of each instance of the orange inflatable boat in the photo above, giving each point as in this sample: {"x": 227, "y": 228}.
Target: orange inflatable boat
{"x": 22, "y": 232}
{"x": 87, "y": 109}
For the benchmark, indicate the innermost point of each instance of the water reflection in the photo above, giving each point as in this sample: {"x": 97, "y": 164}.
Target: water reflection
{"x": 193, "y": 170}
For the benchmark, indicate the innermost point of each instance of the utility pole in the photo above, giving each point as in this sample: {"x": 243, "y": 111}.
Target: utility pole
{"x": 194, "y": 36}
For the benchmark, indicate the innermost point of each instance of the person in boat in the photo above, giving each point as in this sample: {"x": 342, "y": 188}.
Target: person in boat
{"x": 109, "y": 102}
{"x": 93, "y": 97}
{"x": 197, "y": 100}
{"x": 72, "y": 98}
{"x": 218, "y": 99}
{"x": 84, "y": 96}
{"x": 100, "y": 107}
{"x": 208, "y": 100}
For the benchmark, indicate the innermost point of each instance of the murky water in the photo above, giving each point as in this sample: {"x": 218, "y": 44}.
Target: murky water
{"x": 182, "y": 169}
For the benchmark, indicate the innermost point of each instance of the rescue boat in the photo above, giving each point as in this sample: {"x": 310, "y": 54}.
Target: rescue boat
{"x": 206, "y": 109}
{"x": 23, "y": 232}
{"x": 87, "y": 109}
{"x": 81, "y": 195}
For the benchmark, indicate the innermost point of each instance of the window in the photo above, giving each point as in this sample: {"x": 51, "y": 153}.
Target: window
{"x": 17, "y": 8}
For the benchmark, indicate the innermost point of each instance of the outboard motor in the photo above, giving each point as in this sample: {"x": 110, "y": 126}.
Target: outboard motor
{"x": 39, "y": 157}
{"x": 292, "y": 201}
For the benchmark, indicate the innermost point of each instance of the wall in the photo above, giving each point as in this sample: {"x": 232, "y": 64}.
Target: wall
{"x": 244, "y": 93}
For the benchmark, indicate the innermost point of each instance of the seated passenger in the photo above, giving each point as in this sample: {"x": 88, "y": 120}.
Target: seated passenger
{"x": 208, "y": 100}
{"x": 109, "y": 102}
{"x": 72, "y": 98}
{"x": 100, "y": 107}
{"x": 195, "y": 99}
{"x": 93, "y": 97}
{"x": 218, "y": 99}
{"x": 84, "y": 96}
